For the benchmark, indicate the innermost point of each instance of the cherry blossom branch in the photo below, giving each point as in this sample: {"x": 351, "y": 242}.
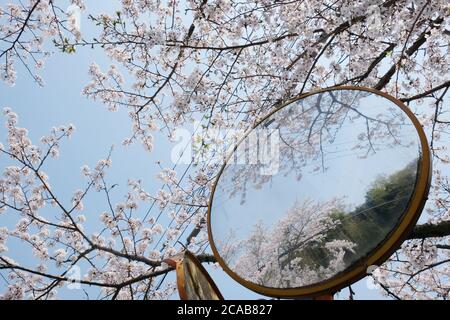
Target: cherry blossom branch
{"x": 430, "y": 230}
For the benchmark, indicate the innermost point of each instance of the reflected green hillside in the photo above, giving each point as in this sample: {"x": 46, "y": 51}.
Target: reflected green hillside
{"x": 368, "y": 224}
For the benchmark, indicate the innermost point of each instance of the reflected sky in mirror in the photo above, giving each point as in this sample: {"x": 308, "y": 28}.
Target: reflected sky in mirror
{"x": 315, "y": 188}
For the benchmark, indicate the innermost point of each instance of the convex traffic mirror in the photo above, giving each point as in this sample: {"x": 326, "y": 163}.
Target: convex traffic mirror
{"x": 322, "y": 188}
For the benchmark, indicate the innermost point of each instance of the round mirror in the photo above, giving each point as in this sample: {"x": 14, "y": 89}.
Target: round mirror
{"x": 193, "y": 281}
{"x": 319, "y": 190}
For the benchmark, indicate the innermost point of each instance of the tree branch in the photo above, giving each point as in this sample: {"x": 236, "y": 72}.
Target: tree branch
{"x": 429, "y": 230}
{"x": 409, "y": 52}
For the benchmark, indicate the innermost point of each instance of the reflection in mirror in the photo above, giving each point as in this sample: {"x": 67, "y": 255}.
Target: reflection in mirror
{"x": 315, "y": 188}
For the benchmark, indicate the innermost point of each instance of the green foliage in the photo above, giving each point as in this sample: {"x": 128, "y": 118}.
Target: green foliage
{"x": 385, "y": 202}
{"x": 65, "y": 46}
{"x": 368, "y": 224}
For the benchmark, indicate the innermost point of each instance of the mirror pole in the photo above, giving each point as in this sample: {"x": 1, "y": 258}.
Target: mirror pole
{"x": 325, "y": 297}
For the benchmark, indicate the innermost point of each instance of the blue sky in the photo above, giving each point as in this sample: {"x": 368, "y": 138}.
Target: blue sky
{"x": 60, "y": 102}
